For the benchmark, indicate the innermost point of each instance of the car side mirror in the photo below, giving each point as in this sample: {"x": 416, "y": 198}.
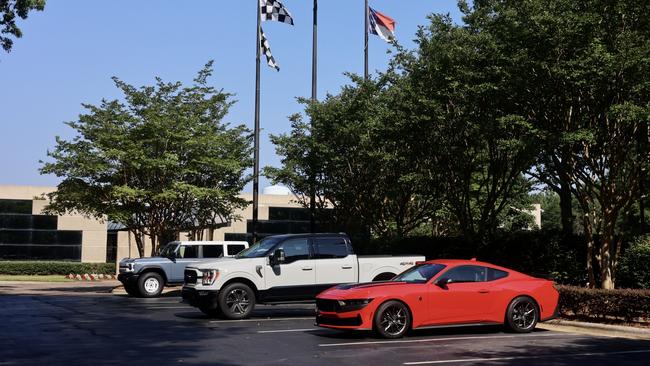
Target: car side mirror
{"x": 278, "y": 257}
{"x": 443, "y": 282}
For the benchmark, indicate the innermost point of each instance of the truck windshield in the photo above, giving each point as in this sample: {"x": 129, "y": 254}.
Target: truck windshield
{"x": 168, "y": 250}
{"x": 421, "y": 273}
{"x": 260, "y": 249}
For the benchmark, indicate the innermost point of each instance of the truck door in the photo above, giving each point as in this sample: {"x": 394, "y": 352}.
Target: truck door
{"x": 335, "y": 262}
{"x": 294, "y": 279}
{"x": 185, "y": 254}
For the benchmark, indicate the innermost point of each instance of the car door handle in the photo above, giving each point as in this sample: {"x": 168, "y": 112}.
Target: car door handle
{"x": 483, "y": 291}
{"x": 307, "y": 268}
{"x": 346, "y": 267}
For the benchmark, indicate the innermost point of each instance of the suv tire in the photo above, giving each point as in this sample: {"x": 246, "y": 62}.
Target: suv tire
{"x": 150, "y": 284}
{"x": 236, "y": 301}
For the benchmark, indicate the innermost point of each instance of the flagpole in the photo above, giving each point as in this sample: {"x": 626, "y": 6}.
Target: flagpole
{"x": 314, "y": 54}
{"x": 256, "y": 140}
{"x": 365, "y": 42}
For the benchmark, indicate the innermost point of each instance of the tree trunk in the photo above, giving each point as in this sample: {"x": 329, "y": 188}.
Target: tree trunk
{"x": 590, "y": 251}
{"x": 606, "y": 260}
{"x": 139, "y": 242}
{"x": 566, "y": 209}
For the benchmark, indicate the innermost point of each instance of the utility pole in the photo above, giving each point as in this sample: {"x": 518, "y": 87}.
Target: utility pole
{"x": 365, "y": 43}
{"x": 312, "y": 178}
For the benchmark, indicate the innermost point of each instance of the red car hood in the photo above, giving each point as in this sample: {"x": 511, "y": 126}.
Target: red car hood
{"x": 359, "y": 290}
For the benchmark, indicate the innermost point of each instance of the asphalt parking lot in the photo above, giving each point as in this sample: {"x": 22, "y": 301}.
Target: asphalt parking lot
{"x": 69, "y": 324}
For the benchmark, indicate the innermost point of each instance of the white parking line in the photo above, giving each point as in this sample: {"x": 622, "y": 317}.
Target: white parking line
{"x": 287, "y": 330}
{"x": 486, "y": 359}
{"x": 441, "y": 339}
{"x": 259, "y": 320}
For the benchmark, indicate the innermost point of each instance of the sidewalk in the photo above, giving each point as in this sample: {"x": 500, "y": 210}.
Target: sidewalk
{"x": 605, "y": 330}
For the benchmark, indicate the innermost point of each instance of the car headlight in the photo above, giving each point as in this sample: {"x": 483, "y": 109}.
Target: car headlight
{"x": 209, "y": 276}
{"x": 352, "y": 305}
{"x": 130, "y": 267}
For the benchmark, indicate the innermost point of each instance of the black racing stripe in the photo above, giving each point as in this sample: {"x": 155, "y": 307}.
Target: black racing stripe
{"x": 367, "y": 285}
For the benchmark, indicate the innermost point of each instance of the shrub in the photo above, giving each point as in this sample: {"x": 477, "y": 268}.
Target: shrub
{"x": 604, "y": 305}
{"x": 632, "y": 270}
{"x": 54, "y": 268}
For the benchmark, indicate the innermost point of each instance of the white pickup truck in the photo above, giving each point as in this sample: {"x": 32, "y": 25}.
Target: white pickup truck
{"x": 281, "y": 269}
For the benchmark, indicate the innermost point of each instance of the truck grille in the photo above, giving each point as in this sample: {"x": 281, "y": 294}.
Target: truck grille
{"x": 190, "y": 276}
{"x": 330, "y": 306}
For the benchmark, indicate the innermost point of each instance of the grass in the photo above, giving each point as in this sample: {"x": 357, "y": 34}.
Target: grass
{"x": 36, "y": 278}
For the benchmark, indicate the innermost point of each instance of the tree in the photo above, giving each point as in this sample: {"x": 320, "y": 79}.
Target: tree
{"x": 579, "y": 71}
{"x": 9, "y": 10}
{"x": 477, "y": 142}
{"x": 366, "y": 163}
{"x": 159, "y": 162}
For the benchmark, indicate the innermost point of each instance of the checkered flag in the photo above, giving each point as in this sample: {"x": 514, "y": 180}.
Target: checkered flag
{"x": 266, "y": 50}
{"x": 273, "y": 10}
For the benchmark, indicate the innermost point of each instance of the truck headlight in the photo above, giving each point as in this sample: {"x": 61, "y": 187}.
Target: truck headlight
{"x": 130, "y": 267}
{"x": 209, "y": 276}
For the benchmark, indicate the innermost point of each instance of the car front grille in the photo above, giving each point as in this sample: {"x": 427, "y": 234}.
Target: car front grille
{"x": 190, "y": 276}
{"x": 330, "y": 306}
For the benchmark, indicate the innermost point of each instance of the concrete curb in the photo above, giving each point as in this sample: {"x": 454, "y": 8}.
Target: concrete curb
{"x": 596, "y": 329}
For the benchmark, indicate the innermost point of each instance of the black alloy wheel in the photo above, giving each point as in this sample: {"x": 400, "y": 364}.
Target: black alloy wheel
{"x": 392, "y": 319}
{"x": 522, "y": 315}
{"x": 236, "y": 301}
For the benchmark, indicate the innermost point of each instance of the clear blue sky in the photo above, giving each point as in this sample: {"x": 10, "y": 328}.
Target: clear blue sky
{"x": 69, "y": 52}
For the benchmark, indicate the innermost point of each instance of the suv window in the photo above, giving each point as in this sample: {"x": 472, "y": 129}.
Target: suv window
{"x": 188, "y": 251}
{"x": 212, "y": 251}
{"x": 330, "y": 247}
{"x": 235, "y": 248}
{"x": 495, "y": 274}
{"x": 295, "y": 249}
{"x": 466, "y": 274}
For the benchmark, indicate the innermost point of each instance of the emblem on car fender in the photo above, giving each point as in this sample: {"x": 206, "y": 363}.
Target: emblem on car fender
{"x": 258, "y": 269}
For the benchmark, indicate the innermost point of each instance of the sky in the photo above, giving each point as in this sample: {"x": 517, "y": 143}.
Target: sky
{"x": 70, "y": 51}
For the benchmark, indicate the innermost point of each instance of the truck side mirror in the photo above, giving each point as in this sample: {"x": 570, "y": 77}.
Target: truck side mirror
{"x": 278, "y": 257}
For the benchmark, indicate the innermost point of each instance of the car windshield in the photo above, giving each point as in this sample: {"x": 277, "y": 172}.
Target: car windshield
{"x": 260, "y": 249}
{"x": 168, "y": 250}
{"x": 421, "y": 273}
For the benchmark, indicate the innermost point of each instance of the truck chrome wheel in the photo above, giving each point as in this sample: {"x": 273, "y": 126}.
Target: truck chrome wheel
{"x": 151, "y": 285}
{"x": 237, "y": 301}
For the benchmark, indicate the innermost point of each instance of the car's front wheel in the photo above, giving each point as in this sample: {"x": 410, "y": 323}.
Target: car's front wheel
{"x": 150, "y": 284}
{"x": 236, "y": 301}
{"x": 522, "y": 315}
{"x": 392, "y": 319}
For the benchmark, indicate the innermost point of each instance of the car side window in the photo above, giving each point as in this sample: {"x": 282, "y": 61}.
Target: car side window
{"x": 327, "y": 248}
{"x": 188, "y": 251}
{"x": 495, "y": 274}
{"x": 212, "y": 251}
{"x": 295, "y": 250}
{"x": 235, "y": 248}
{"x": 466, "y": 274}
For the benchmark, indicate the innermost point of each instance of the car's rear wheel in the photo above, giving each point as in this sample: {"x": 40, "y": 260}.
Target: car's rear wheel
{"x": 522, "y": 315}
{"x": 150, "y": 284}
{"x": 392, "y": 319}
{"x": 236, "y": 301}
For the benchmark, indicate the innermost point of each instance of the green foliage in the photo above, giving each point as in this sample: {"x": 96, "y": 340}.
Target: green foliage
{"x": 633, "y": 268}
{"x": 607, "y": 306}
{"x": 54, "y": 268}
{"x": 9, "y": 10}
{"x": 159, "y": 162}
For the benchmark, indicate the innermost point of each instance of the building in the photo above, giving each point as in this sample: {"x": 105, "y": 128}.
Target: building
{"x": 27, "y": 234}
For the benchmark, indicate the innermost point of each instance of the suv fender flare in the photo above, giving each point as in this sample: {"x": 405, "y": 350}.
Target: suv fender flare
{"x": 156, "y": 269}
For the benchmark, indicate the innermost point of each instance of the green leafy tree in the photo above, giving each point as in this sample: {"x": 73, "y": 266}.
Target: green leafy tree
{"x": 580, "y": 75}
{"x": 160, "y": 161}
{"x": 364, "y": 158}
{"x": 9, "y": 10}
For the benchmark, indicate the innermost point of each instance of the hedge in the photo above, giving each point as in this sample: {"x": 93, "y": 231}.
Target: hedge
{"x": 54, "y": 268}
{"x": 630, "y": 306}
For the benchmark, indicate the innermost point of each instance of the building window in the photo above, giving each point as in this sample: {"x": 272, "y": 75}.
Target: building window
{"x": 23, "y": 207}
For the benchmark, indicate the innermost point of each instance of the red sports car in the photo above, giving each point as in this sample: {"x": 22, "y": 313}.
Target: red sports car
{"x": 440, "y": 293}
